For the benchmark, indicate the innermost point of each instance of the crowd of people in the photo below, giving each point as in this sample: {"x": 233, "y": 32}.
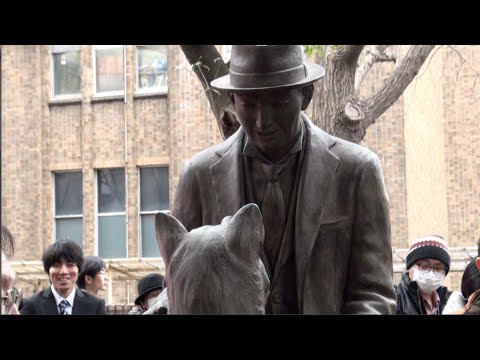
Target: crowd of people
{"x": 76, "y": 280}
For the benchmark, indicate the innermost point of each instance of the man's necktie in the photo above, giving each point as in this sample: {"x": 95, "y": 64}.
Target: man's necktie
{"x": 62, "y": 307}
{"x": 274, "y": 215}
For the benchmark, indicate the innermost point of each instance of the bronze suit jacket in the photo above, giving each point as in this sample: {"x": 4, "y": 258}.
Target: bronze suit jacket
{"x": 343, "y": 248}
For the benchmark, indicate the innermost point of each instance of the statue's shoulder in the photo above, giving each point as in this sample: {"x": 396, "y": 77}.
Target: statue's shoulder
{"x": 355, "y": 150}
{"x": 212, "y": 154}
{"x": 340, "y": 148}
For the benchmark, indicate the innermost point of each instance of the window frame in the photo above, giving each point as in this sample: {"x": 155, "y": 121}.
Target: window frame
{"x": 102, "y": 94}
{"x": 151, "y": 90}
{"x": 117, "y": 213}
{"x": 226, "y": 53}
{"x": 148, "y": 212}
{"x": 54, "y": 207}
{"x": 76, "y": 96}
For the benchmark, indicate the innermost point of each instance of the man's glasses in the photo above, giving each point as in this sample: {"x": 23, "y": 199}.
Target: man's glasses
{"x": 13, "y": 297}
{"x": 439, "y": 270}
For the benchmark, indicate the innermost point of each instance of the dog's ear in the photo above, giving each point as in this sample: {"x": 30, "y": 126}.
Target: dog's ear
{"x": 245, "y": 232}
{"x": 170, "y": 233}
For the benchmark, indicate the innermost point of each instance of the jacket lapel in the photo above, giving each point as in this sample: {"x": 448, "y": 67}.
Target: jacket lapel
{"x": 78, "y": 302}
{"x": 49, "y": 303}
{"x": 227, "y": 176}
{"x": 316, "y": 179}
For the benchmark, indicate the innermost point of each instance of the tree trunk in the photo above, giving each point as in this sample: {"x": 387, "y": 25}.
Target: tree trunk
{"x": 336, "y": 106}
{"x": 334, "y": 91}
{"x": 208, "y": 65}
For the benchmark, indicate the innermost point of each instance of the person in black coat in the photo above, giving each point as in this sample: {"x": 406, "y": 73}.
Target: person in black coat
{"x": 62, "y": 261}
{"x": 419, "y": 291}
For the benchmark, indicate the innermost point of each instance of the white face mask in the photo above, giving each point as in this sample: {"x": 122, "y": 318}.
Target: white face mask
{"x": 151, "y": 302}
{"x": 428, "y": 282}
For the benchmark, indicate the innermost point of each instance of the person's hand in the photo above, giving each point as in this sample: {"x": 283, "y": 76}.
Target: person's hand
{"x": 471, "y": 299}
{"x": 11, "y": 301}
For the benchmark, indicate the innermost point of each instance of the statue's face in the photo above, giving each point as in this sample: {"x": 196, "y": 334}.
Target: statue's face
{"x": 271, "y": 119}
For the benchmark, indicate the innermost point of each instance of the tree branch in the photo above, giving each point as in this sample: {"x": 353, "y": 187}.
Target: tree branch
{"x": 210, "y": 59}
{"x": 398, "y": 81}
{"x": 349, "y": 54}
{"x": 374, "y": 54}
{"x": 208, "y": 65}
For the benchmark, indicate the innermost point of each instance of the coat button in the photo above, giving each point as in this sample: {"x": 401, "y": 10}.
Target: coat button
{"x": 277, "y": 299}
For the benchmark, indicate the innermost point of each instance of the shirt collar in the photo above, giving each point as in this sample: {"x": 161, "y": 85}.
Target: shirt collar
{"x": 435, "y": 299}
{"x": 59, "y": 298}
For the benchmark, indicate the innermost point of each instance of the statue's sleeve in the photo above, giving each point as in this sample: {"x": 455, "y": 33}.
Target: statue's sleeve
{"x": 370, "y": 287}
{"x": 187, "y": 206}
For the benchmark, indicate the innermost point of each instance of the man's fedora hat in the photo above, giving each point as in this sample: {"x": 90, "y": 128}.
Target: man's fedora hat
{"x": 262, "y": 67}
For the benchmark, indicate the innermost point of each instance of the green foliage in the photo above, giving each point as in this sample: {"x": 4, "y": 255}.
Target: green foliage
{"x": 320, "y": 50}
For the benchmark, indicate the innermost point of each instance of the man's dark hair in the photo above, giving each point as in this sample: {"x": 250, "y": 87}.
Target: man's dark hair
{"x": 66, "y": 249}
{"x": 91, "y": 266}
{"x": 470, "y": 279}
{"x": 478, "y": 243}
{"x": 8, "y": 243}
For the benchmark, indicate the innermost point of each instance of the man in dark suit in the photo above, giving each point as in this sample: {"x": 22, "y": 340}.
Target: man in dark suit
{"x": 62, "y": 261}
{"x": 324, "y": 204}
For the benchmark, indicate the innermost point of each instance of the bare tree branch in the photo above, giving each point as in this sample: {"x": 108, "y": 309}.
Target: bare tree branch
{"x": 336, "y": 106}
{"x": 374, "y": 54}
{"x": 398, "y": 81}
{"x": 464, "y": 61}
{"x": 427, "y": 66}
{"x": 349, "y": 54}
{"x": 208, "y": 65}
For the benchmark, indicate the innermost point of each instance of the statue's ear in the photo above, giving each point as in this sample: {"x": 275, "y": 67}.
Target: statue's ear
{"x": 245, "y": 232}
{"x": 307, "y": 92}
{"x": 170, "y": 233}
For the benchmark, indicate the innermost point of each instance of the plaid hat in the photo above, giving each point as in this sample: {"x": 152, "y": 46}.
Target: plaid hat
{"x": 429, "y": 247}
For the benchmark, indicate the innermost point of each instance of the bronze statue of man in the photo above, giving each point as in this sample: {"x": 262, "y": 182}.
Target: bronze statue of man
{"x": 327, "y": 247}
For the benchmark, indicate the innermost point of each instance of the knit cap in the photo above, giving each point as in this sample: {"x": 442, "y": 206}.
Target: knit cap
{"x": 429, "y": 247}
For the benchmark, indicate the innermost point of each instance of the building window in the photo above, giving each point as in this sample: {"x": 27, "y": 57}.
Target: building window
{"x": 69, "y": 206}
{"x": 66, "y": 70}
{"x": 151, "y": 68}
{"x": 112, "y": 240}
{"x": 153, "y": 198}
{"x": 227, "y": 52}
{"x": 109, "y": 70}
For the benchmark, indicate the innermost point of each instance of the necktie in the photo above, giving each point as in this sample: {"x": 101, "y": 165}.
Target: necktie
{"x": 274, "y": 214}
{"x": 62, "y": 307}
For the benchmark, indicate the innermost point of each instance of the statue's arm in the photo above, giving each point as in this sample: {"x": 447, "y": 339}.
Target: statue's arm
{"x": 187, "y": 207}
{"x": 370, "y": 287}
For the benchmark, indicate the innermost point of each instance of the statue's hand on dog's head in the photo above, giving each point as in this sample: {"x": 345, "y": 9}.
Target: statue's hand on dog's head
{"x": 215, "y": 269}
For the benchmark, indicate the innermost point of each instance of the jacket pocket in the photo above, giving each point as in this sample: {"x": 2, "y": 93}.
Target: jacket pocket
{"x": 328, "y": 264}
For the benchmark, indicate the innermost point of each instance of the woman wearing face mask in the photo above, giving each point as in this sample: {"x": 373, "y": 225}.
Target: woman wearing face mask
{"x": 149, "y": 287}
{"x": 419, "y": 291}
